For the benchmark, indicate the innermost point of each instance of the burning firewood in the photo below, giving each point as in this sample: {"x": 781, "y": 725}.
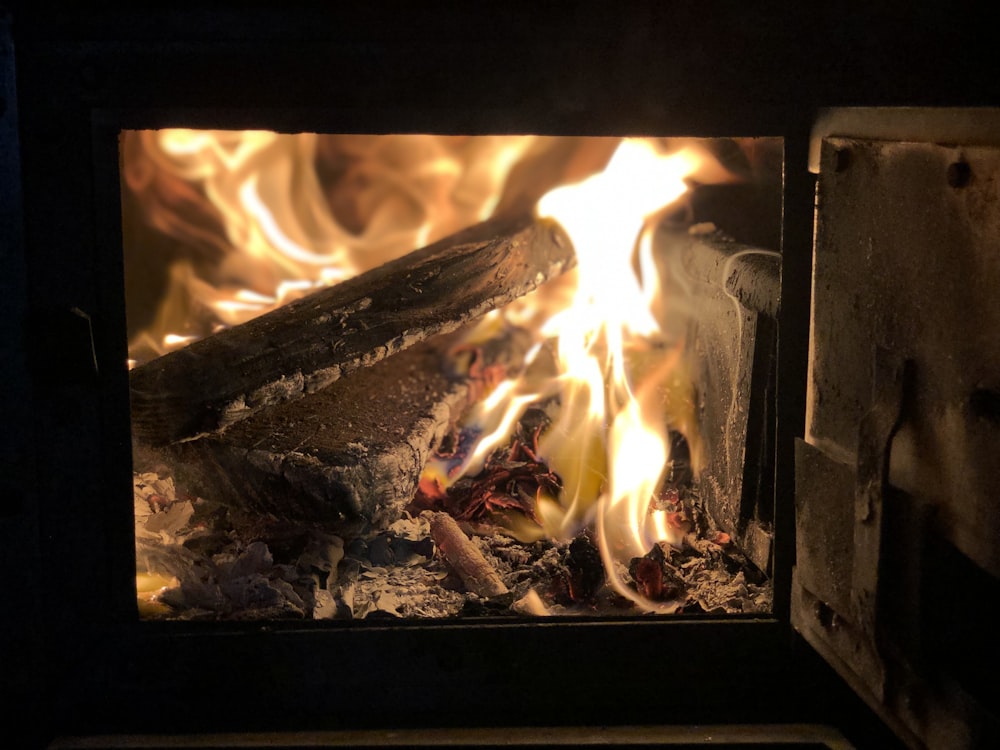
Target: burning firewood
{"x": 464, "y": 557}
{"x": 308, "y": 344}
{"x": 353, "y": 451}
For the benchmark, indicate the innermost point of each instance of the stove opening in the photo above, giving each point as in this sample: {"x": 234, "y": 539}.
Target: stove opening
{"x": 425, "y": 376}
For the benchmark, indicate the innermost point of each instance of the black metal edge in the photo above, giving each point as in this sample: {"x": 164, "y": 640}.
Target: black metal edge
{"x": 790, "y": 736}
{"x": 793, "y": 346}
{"x": 21, "y": 641}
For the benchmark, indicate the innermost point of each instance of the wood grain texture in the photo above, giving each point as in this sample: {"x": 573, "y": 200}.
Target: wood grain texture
{"x": 353, "y": 451}
{"x": 305, "y": 346}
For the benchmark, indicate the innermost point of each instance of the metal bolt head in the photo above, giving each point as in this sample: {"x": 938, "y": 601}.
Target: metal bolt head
{"x": 959, "y": 174}
{"x": 841, "y": 159}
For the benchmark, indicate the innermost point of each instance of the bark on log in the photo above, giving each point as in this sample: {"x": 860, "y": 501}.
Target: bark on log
{"x": 308, "y": 344}
{"x": 473, "y": 568}
{"x": 353, "y": 451}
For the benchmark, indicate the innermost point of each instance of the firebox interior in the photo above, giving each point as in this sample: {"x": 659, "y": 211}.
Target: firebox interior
{"x": 318, "y": 322}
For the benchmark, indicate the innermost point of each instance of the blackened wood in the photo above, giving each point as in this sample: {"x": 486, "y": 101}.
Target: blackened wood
{"x": 308, "y": 344}
{"x": 353, "y": 451}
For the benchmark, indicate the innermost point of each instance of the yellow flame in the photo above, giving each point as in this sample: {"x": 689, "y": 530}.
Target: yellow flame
{"x": 605, "y": 216}
{"x": 616, "y": 380}
{"x": 280, "y": 235}
{"x": 276, "y": 229}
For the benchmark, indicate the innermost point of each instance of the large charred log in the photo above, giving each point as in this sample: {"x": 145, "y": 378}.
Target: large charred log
{"x": 352, "y": 451}
{"x": 308, "y": 344}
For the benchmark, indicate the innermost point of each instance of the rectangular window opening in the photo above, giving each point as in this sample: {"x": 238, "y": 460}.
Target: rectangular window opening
{"x": 436, "y": 377}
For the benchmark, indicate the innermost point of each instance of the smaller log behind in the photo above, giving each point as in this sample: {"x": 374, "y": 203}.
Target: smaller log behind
{"x": 305, "y": 346}
{"x": 732, "y": 294}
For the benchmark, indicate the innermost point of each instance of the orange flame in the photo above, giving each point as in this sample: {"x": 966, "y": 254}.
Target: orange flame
{"x": 282, "y": 231}
{"x": 617, "y": 379}
{"x": 264, "y": 209}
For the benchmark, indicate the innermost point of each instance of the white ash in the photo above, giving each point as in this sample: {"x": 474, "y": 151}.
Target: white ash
{"x": 234, "y": 580}
{"x": 228, "y": 571}
{"x": 393, "y": 573}
{"x": 415, "y": 591}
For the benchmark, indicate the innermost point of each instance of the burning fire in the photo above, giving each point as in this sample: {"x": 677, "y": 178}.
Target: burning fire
{"x": 609, "y": 441}
{"x": 267, "y": 229}
{"x": 602, "y": 354}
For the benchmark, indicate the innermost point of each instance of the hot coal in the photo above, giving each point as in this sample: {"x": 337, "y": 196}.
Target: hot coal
{"x": 510, "y": 480}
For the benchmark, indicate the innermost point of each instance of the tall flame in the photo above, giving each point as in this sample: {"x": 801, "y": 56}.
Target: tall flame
{"x": 616, "y": 374}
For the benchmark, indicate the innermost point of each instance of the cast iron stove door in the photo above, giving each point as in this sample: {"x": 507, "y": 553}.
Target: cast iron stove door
{"x": 897, "y": 481}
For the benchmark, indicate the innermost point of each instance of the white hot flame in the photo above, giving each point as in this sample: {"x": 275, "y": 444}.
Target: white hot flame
{"x": 609, "y": 322}
{"x": 608, "y": 442}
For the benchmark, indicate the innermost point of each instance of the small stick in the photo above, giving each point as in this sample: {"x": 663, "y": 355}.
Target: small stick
{"x": 475, "y": 570}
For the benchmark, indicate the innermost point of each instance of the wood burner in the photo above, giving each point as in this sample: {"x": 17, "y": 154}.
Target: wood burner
{"x": 349, "y": 419}
{"x": 69, "y": 531}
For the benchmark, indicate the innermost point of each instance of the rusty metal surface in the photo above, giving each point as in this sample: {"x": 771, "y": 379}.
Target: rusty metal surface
{"x": 898, "y": 473}
{"x": 908, "y": 258}
{"x": 970, "y": 126}
{"x": 824, "y": 557}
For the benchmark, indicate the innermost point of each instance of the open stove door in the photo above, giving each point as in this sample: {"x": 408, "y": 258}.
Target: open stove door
{"x": 898, "y": 476}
